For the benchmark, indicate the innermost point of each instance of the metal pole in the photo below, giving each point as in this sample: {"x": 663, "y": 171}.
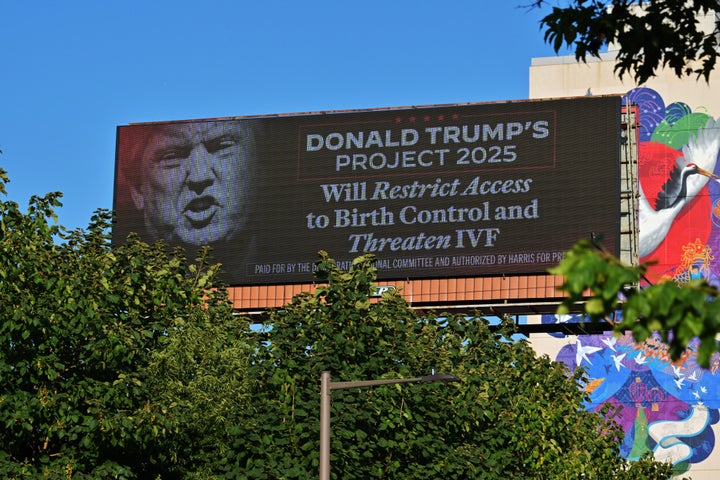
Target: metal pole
{"x": 325, "y": 426}
{"x": 326, "y": 387}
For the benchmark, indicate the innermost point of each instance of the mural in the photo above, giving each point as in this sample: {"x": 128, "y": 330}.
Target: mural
{"x": 669, "y": 408}
{"x": 679, "y": 205}
{"x": 665, "y": 407}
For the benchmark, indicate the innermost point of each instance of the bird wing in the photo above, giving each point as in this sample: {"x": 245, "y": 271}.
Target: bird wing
{"x": 670, "y": 190}
{"x": 654, "y": 224}
{"x": 702, "y": 150}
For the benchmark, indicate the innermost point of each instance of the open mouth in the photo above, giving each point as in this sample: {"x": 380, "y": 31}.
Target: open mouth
{"x": 200, "y": 211}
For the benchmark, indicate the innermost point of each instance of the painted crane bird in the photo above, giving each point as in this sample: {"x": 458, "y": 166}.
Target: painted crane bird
{"x": 700, "y": 156}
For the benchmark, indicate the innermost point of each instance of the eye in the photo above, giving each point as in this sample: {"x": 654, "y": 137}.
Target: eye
{"x": 169, "y": 157}
{"x": 220, "y": 143}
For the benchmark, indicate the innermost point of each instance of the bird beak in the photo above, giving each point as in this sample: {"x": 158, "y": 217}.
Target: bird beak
{"x": 708, "y": 174}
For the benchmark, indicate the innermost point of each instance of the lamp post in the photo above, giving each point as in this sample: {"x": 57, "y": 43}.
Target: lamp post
{"x": 326, "y": 388}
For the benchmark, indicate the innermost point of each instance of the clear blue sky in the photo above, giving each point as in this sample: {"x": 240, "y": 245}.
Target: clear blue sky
{"x": 71, "y": 71}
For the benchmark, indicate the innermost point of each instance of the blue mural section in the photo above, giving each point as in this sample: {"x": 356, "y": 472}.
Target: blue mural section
{"x": 665, "y": 407}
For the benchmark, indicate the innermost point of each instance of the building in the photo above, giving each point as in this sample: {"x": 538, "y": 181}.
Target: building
{"x": 669, "y": 408}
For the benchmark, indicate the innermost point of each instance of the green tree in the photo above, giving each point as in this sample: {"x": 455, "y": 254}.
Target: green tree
{"x": 513, "y": 415}
{"x": 101, "y": 367}
{"x": 663, "y": 33}
{"x": 201, "y": 377}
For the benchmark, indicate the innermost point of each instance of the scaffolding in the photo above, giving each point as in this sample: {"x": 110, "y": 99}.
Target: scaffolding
{"x": 629, "y": 185}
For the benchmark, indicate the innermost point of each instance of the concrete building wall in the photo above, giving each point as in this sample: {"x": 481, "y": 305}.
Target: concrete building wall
{"x": 563, "y": 76}
{"x": 558, "y": 77}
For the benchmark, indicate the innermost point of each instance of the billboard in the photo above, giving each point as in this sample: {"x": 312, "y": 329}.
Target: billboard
{"x": 435, "y": 191}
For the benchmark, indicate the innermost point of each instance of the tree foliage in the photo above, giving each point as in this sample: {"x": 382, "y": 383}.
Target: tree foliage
{"x": 602, "y": 285}
{"x": 660, "y": 34}
{"x": 200, "y": 376}
{"x": 513, "y": 415}
{"x": 125, "y": 363}
{"x": 93, "y": 380}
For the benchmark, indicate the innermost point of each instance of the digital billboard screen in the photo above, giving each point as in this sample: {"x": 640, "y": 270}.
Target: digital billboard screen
{"x": 436, "y": 191}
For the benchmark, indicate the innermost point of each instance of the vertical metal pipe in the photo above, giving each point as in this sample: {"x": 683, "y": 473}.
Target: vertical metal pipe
{"x": 325, "y": 426}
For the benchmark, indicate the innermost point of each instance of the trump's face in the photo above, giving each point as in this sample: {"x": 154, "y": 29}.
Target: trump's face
{"x": 196, "y": 180}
